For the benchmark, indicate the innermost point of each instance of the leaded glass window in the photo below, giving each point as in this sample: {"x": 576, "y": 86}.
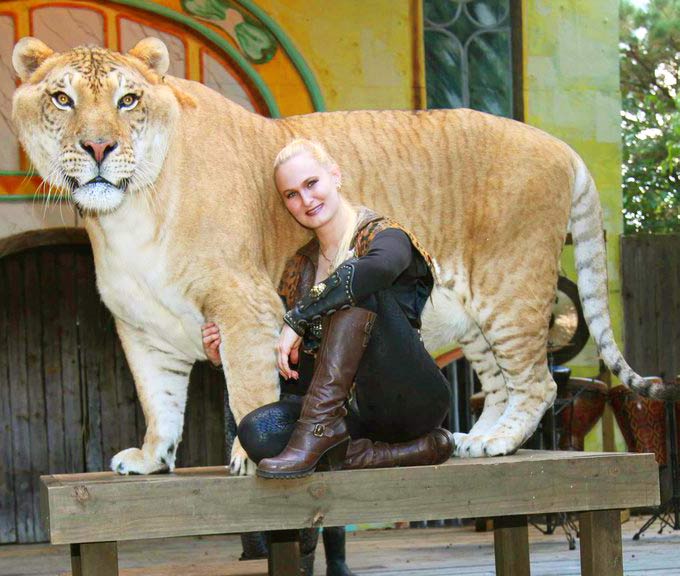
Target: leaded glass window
{"x": 468, "y": 53}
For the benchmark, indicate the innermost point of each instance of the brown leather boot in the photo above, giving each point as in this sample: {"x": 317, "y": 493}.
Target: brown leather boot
{"x": 432, "y": 448}
{"x": 321, "y": 431}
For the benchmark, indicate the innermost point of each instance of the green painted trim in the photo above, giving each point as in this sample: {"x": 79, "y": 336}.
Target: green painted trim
{"x": 17, "y": 173}
{"x": 25, "y": 197}
{"x": 214, "y": 37}
{"x": 299, "y": 62}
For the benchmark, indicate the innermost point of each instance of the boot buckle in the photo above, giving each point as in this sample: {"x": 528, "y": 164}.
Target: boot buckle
{"x": 319, "y": 429}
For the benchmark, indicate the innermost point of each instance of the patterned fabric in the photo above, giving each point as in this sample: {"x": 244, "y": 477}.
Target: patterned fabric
{"x": 642, "y": 422}
{"x": 371, "y": 223}
{"x": 299, "y": 272}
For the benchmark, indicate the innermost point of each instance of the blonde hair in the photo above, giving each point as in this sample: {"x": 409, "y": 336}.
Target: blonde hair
{"x": 321, "y": 155}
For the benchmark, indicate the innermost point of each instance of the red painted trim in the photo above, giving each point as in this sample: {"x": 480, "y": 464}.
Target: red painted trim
{"x": 448, "y": 357}
{"x": 15, "y": 21}
{"x": 157, "y": 23}
{"x": 80, "y": 6}
{"x": 257, "y": 103}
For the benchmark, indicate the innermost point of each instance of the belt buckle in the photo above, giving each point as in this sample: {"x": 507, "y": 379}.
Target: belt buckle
{"x": 319, "y": 429}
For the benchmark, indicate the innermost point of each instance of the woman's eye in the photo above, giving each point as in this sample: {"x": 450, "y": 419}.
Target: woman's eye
{"x": 62, "y": 101}
{"x": 290, "y": 195}
{"x": 311, "y": 183}
{"x": 128, "y": 102}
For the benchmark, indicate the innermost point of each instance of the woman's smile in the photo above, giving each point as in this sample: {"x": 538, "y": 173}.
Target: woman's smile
{"x": 314, "y": 211}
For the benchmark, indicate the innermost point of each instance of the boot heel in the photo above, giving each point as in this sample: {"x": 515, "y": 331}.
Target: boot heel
{"x": 334, "y": 458}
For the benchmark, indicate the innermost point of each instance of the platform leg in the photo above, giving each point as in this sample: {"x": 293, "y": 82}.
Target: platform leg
{"x": 601, "y": 550}
{"x": 511, "y": 545}
{"x": 284, "y": 553}
{"x": 96, "y": 559}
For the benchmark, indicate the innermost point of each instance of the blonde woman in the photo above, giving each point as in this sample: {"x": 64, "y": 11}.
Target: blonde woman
{"x": 359, "y": 390}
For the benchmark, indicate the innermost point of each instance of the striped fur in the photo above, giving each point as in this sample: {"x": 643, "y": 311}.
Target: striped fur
{"x": 591, "y": 265}
{"x": 196, "y": 231}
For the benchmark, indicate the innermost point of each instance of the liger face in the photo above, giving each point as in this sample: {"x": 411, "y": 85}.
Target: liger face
{"x": 309, "y": 190}
{"x": 94, "y": 126}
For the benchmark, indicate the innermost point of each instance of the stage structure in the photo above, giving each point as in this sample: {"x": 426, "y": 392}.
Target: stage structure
{"x": 66, "y": 398}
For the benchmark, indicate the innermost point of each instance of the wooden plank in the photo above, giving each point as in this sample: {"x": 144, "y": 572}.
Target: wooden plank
{"x": 91, "y": 343}
{"x": 8, "y": 528}
{"x": 675, "y": 302}
{"x": 600, "y": 536}
{"x": 511, "y": 545}
{"x": 651, "y": 296}
{"x": 18, "y": 382}
{"x": 36, "y": 388}
{"x": 284, "y": 553}
{"x": 51, "y": 347}
{"x": 99, "y": 559}
{"x": 70, "y": 370}
{"x": 110, "y": 411}
{"x": 191, "y": 451}
{"x": 630, "y": 256}
{"x": 214, "y": 421}
{"x": 209, "y": 501}
{"x": 669, "y": 363}
{"x": 127, "y": 401}
{"x": 47, "y": 237}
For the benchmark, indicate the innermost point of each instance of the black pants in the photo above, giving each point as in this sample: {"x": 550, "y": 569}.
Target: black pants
{"x": 400, "y": 393}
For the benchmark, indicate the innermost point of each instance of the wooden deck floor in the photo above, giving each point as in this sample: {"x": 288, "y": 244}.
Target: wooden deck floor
{"x": 422, "y": 552}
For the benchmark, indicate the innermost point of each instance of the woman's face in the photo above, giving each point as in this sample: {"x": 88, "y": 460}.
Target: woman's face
{"x": 309, "y": 190}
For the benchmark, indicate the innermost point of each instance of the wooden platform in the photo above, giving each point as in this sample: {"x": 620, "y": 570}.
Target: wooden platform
{"x": 456, "y": 551}
{"x": 102, "y": 507}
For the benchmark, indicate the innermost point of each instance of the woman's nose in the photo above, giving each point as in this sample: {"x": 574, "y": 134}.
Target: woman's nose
{"x": 306, "y": 196}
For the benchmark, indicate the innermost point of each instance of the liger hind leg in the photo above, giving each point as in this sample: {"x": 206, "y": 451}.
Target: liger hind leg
{"x": 478, "y": 352}
{"x": 520, "y": 352}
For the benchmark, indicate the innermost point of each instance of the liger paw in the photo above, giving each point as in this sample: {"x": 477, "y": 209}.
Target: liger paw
{"x": 240, "y": 464}
{"x": 135, "y": 461}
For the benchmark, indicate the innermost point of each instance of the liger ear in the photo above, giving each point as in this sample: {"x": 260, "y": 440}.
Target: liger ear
{"x": 154, "y": 53}
{"x": 29, "y": 53}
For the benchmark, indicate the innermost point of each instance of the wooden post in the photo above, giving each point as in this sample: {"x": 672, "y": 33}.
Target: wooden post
{"x": 601, "y": 550}
{"x": 284, "y": 553}
{"x": 511, "y": 545}
{"x": 97, "y": 559}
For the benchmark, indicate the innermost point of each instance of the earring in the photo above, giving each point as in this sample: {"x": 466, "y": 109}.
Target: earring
{"x": 339, "y": 184}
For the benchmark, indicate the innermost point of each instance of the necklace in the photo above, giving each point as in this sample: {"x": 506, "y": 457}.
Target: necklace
{"x": 327, "y": 259}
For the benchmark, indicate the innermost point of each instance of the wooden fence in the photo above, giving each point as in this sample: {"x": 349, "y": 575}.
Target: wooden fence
{"x": 67, "y": 399}
{"x": 651, "y": 303}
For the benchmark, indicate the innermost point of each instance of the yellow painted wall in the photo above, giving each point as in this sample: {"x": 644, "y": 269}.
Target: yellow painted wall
{"x": 571, "y": 89}
{"x": 360, "y": 52}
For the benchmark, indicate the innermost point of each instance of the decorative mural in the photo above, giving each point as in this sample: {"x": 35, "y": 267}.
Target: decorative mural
{"x": 252, "y": 38}
{"x": 231, "y": 46}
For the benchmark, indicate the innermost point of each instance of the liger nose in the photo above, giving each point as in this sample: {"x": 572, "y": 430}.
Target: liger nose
{"x": 99, "y": 149}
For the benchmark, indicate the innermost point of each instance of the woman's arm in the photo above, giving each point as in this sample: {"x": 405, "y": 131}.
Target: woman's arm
{"x": 388, "y": 256}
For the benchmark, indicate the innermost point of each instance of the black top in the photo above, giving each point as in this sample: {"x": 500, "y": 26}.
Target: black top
{"x": 392, "y": 263}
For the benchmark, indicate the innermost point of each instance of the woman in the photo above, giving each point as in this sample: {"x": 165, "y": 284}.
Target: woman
{"x": 373, "y": 397}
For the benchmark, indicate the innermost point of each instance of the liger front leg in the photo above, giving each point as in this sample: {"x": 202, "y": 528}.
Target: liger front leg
{"x": 161, "y": 377}
{"x": 249, "y": 317}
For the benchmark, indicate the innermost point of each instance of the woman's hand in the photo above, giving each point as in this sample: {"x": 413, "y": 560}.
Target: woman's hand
{"x": 211, "y": 343}
{"x": 288, "y": 350}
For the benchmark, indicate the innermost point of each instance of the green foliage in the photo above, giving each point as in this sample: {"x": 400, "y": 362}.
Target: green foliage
{"x": 650, "y": 73}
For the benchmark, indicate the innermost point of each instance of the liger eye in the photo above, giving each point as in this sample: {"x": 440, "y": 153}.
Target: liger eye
{"x": 128, "y": 102}
{"x": 62, "y": 101}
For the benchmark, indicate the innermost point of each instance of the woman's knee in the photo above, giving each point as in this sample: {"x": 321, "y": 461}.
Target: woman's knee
{"x": 264, "y": 432}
